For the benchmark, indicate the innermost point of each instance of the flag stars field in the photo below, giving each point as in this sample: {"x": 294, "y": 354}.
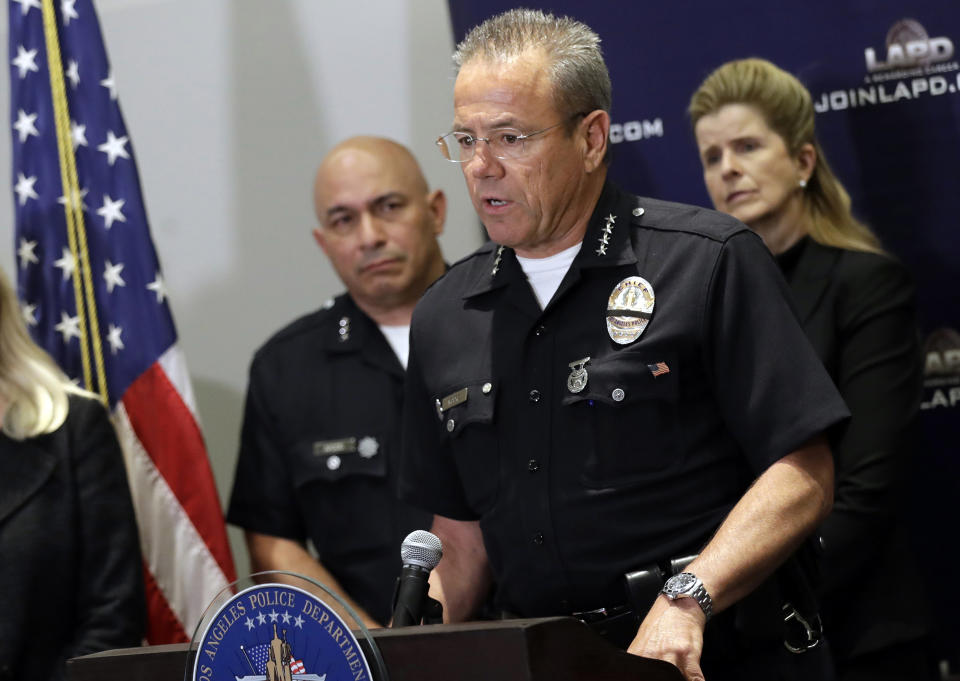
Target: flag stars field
{"x": 26, "y": 5}
{"x": 68, "y": 11}
{"x": 24, "y": 188}
{"x": 73, "y": 73}
{"x": 114, "y": 147}
{"x": 110, "y": 211}
{"x": 158, "y": 287}
{"x": 24, "y": 125}
{"x": 26, "y": 253}
{"x": 29, "y": 314}
{"x": 113, "y": 338}
{"x": 25, "y": 61}
{"x": 67, "y": 263}
{"x": 69, "y": 327}
{"x": 111, "y": 275}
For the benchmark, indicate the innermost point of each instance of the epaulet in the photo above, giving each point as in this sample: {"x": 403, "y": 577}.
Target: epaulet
{"x": 681, "y": 217}
{"x": 307, "y": 323}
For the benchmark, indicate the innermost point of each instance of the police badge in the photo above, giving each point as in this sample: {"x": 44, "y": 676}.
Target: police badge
{"x": 629, "y": 309}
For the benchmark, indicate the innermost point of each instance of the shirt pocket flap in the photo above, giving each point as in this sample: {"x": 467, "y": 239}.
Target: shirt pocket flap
{"x": 472, "y": 403}
{"x": 627, "y": 378}
{"x": 336, "y": 459}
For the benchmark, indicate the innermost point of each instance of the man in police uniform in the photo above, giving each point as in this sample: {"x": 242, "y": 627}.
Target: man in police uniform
{"x": 612, "y": 383}
{"x": 321, "y": 428}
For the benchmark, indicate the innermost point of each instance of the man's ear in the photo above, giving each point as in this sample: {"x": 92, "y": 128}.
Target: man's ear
{"x": 437, "y": 205}
{"x": 319, "y": 237}
{"x": 595, "y": 128}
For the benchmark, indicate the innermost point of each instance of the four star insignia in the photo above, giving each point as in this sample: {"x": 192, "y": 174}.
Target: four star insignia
{"x": 25, "y": 61}
{"x": 113, "y": 147}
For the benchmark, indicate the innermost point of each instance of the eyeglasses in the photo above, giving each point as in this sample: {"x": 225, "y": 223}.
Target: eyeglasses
{"x": 460, "y": 147}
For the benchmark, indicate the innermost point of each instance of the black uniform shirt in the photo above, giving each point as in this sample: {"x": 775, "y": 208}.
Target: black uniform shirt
{"x": 318, "y": 449}
{"x": 572, "y": 489}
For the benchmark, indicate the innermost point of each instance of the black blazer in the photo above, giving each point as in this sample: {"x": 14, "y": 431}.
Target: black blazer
{"x": 858, "y": 310}
{"x": 71, "y": 577}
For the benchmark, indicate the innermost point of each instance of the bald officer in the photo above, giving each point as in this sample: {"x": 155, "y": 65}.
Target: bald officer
{"x": 321, "y": 430}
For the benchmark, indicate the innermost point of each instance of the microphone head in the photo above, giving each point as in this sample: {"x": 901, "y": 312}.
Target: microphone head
{"x": 421, "y": 548}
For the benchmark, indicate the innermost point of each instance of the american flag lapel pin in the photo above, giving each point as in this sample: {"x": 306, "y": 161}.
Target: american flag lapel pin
{"x": 658, "y": 369}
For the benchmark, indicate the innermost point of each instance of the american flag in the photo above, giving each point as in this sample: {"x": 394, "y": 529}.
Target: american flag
{"x": 296, "y": 667}
{"x": 93, "y": 295}
{"x": 658, "y": 369}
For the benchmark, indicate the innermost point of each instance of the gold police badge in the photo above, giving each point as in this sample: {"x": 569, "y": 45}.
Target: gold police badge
{"x": 629, "y": 309}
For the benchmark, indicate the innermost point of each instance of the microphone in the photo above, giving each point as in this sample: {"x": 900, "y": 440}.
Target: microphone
{"x": 420, "y": 553}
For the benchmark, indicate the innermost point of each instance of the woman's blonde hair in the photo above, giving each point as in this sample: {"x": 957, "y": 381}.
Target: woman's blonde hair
{"x": 787, "y": 108}
{"x": 31, "y": 384}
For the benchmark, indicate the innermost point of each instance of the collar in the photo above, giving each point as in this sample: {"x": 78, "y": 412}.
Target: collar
{"x": 606, "y": 243}
{"x": 347, "y": 329}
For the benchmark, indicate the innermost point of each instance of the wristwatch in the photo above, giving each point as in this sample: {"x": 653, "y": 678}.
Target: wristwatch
{"x": 688, "y": 585}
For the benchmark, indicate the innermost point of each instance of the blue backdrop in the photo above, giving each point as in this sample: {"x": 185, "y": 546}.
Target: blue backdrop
{"x": 886, "y": 82}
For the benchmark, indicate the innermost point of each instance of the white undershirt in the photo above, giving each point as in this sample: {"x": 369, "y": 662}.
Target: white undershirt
{"x": 399, "y": 339}
{"x": 545, "y": 274}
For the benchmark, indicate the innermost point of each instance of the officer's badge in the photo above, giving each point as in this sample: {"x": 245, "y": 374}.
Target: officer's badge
{"x": 277, "y": 632}
{"x": 577, "y": 380}
{"x": 629, "y": 309}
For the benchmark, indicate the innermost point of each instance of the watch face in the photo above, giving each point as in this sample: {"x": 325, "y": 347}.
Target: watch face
{"x": 679, "y": 584}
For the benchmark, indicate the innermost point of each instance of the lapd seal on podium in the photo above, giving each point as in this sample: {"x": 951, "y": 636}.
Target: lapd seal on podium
{"x": 277, "y": 632}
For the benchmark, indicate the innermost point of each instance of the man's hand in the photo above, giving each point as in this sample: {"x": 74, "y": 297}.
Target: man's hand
{"x": 673, "y": 631}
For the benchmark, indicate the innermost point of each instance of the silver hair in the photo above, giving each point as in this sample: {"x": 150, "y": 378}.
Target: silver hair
{"x": 581, "y": 82}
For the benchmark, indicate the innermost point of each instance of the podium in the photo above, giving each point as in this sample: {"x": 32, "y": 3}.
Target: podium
{"x": 544, "y": 649}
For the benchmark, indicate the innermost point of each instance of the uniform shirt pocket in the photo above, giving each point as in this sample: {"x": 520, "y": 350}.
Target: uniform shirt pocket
{"x": 629, "y": 406}
{"x": 467, "y": 424}
{"x": 332, "y": 460}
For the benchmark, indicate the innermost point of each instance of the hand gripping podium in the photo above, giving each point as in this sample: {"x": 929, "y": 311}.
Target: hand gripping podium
{"x": 545, "y": 649}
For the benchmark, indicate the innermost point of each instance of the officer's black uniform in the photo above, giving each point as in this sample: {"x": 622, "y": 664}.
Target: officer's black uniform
{"x": 319, "y": 446}
{"x": 574, "y": 489}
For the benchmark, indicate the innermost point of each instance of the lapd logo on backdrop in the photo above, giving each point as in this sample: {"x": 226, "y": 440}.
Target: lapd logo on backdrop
{"x": 941, "y": 376}
{"x": 912, "y": 65}
{"x": 275, "y": 632}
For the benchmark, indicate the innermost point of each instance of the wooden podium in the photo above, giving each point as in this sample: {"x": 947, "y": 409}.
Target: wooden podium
{"x": 547, "y": 649}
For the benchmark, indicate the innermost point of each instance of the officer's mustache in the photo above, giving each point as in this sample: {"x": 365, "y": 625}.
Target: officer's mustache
{"x": 379, "y": 256}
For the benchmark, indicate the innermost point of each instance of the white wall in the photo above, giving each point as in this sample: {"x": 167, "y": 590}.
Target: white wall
{"x": 230, "y": 105}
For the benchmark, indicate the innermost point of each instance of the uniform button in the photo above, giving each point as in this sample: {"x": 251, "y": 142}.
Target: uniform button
{"x": 333, "y": 463}
{"x": 451, "y": 424}
{"x": 534, "y": 395}
{"x": 539, "y": 331}
{"x": 487, "y": 387}
{"x": 538, "y": 538}
{"x": 533, "y": 465}
{"x": 618, "y": 394}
